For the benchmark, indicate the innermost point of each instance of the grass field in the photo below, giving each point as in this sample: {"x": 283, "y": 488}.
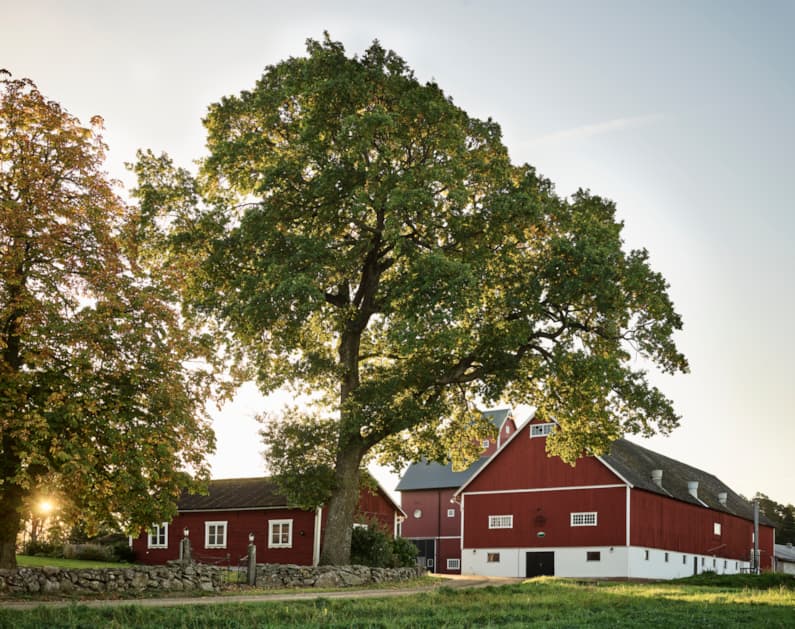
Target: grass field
{"x": 543, "y": 602}
{"x": 27, "y": 561}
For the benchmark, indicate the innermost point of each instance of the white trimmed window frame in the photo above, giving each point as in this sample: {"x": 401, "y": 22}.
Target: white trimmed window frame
{"x": 157, "y": 537}
{"x": 583, "y": 518}
{"x": 541, "y": 430}
{"x": 282, "y": 530}
{"x": 453, "y": 563}
{"x": 716, "y": 529}
{"x": 501, "y": 521}
{"x": 451, "y": 513}
{"x": 215, "y": 534}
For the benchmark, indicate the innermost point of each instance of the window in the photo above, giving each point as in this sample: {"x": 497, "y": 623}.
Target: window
{"x": 702, "y": 562}
{"x": 716, "y": 528}
{"x": 215, "y": 534}
{"x": 500, "y": 521}
{"x": 541, "y": 430}
{"x": 158, "y": 536}
{"x": 583, "y": 519}
{"x": 418, "y": 513}
{"x": 485, "y": 443}
{"x": 280, "y": 534}
{"x": 666, "y": 557}
{"x": 646, "y": 555}
{"x": 454, "y": 564}
{"x": 714, "y": 562}
{"x": 684, "y": 559}
{"x": 359, "y": 525}
{"x": 451, "y": 513}
{"x": 725, "y": 564}
{"x": 593, "y": 555}
{"x": 493, "y": 557}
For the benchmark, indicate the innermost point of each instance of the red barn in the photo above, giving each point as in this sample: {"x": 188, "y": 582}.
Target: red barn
{"x": 631, "y": 513}
{"x": 219, "y": 524}
{"x": 433, "y": 521}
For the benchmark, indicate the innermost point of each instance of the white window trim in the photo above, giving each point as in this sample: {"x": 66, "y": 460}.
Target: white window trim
{"x": 216, "y": 524}
{"x": 150, "y": 537}
{"x": 583, "y": 518}
{"x": 541, "y": 430}
{"x": 716, "y": 528}
{"x": 451, "y": 513}
{"x": 271, "y": 525}
{"x": 453, "y": 563}
{"x": 501, "y": 521}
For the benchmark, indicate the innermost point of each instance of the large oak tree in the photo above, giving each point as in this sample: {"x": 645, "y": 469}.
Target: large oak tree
{"x": 96, "y": 397}
{"x": 361, "y": 237}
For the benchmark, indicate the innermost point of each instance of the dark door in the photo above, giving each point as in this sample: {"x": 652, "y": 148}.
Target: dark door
{"x": 540, "y": 564}
{"x": 426, "y": 552}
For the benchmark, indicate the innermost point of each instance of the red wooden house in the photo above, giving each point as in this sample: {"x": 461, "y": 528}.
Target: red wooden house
{"x": 219, "y": 524}
{"x": 631, "y": 513}
{"x": 433, "y": 521}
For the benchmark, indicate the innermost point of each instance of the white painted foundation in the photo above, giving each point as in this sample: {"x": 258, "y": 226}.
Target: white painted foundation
{"x": 614, "y": 562}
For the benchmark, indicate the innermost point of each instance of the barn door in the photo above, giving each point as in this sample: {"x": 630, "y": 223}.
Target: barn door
{"x": 540, "y": 564}
{"x": 426, "y": 553}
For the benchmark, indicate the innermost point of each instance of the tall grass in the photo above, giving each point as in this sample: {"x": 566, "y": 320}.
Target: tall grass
{"x": 538, "y": 603}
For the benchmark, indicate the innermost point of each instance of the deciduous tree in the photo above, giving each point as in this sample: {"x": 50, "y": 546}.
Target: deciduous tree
{"x": 365, "y": 239}
{"x": 95, "y": 393}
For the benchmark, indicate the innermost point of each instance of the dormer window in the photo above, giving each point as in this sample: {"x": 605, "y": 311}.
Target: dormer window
{"x": 541, "y": 430}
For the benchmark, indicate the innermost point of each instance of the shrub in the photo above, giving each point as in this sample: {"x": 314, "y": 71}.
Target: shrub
{"x": 88, "y": 552}
{"x": 404, "y": 553}
{"x": 122, "y": 552}
{"x": 44, "y": 549}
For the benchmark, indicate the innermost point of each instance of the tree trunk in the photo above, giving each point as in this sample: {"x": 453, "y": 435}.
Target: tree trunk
{"x": 10, "y": 503}
{"x": 340, "y": 509}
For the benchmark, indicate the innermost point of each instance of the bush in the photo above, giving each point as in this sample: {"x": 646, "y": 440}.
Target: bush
{"x": 122, "y": 552}
{"x": 404, "y": 553}
{"x": 44, "y": 549}
{"x": 88, "y": 552}
{"x": 373, "y": 547}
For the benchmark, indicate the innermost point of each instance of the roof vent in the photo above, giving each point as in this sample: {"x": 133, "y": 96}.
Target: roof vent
{"x": 722, "y": 497}
{"x": 692, "y": 488}
{"x": 656, "y": 477}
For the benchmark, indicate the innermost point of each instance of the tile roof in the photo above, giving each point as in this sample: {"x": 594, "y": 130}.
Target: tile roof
{"x": 234, "y": 493}
{"x": 635, "y": 463}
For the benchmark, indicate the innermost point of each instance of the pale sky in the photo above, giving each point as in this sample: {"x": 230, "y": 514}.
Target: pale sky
{"x": 680, "y": 112}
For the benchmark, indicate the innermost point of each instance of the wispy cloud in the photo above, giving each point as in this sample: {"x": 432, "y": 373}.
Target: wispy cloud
{"x": 600, "y": 128}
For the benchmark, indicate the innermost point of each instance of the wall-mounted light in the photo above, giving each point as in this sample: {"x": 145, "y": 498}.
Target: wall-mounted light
{"x": 541, "y": 534}
{"x": 302, "y": 533}
{"x": 185, "y": 532}
{"x": 251, "y": 538}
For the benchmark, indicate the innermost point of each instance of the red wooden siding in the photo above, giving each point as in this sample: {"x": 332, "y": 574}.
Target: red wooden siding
{"x": 374, "y": 506}
{"x": 447, "y": 549}
{"x": 434, "y": 522}
{"x": 660, "y": 522}
{"x": 524, "y": 464}
{"x": 547, "y": 512}
{"x": 239, "y": 525}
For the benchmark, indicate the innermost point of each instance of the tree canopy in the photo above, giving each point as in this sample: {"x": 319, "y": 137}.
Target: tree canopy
{"x": 359, "y": 236}
{"x": 96, "y": 398}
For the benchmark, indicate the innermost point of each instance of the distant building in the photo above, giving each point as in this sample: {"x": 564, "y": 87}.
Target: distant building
{"x": 219, "y": 524}
{"x": 433, "y": 521}
{"x": 785, "y": 558}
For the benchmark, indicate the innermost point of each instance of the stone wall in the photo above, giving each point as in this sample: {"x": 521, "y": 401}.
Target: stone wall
{"x": 174, "y": 577}
{"x": 177, "y": 576}
{"x": 290, "y": 576}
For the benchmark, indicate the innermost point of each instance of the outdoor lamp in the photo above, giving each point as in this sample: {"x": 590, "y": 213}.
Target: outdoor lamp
{"x": 186, "y": 531}
{"x": 251, "y": 538}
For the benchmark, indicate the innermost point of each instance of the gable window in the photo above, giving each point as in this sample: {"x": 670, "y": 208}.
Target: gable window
{"x": 454, "y": 564}
{"x": 593, "y": 555}
{"x": 716, "y": 528}
{"x": 451, "y": 513}
{"x": 485, "y": 444}
{"x": 158, "y": 536}
{"x": 500, "y": 521}
{"x": 541, "y": 430}
{"x": 280, "y": 534}
{"x": 493, "y": 557}
{"x": 585, "y": 518}
{"x": 215, "y": 534}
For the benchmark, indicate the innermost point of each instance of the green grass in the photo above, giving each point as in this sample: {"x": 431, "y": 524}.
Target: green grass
{"x": 544, "y": 602}
{"x": 28, "y": 561}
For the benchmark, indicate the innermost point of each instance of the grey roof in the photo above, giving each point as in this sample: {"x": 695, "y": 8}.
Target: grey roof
{"x": 785, "y": 552}
{"x": 635, "y": 463}
{"x": 234, "y": 493}
{"x": 425, "y": 475}
{"x": 245, "y": 493}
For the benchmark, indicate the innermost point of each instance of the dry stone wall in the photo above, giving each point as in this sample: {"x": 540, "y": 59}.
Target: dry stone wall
{"x": 179, "y": 576}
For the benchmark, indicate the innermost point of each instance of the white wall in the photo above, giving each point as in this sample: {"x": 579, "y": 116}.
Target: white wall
{"x": 615, "y": 562}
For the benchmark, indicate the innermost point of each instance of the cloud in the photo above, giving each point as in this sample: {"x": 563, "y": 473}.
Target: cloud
{"x": 600, "y": 128}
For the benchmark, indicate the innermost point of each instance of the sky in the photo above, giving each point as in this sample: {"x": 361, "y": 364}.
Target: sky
{"x": 680, "y": 112}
